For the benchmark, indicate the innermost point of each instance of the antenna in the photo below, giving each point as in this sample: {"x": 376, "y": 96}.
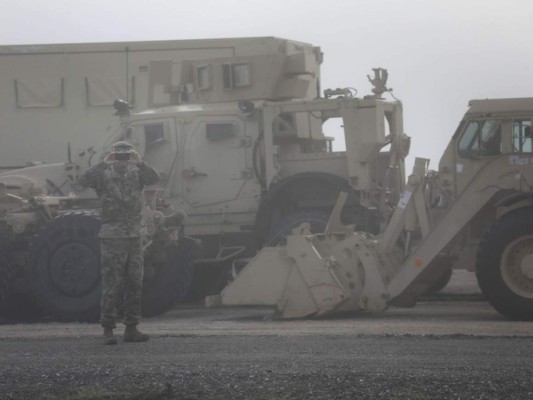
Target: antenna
{"x": 69, "y": 153}
{"x": 379, "y": 82}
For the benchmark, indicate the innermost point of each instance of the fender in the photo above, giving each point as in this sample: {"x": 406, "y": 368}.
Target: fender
{"x": 513, "y": 202}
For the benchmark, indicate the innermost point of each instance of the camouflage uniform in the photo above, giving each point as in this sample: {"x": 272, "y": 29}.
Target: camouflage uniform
{"x": 121, "y": 253}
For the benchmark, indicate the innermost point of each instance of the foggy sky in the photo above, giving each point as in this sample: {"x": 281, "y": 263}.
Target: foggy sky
{"x": 439, "y": 53}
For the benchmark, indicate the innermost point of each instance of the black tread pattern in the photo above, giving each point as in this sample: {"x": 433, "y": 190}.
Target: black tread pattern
{"x": 173, "y": 279}
{"x": 78, "y": 226}
{"x": 160, "y": 294}
{"x": 6, "y": 275}
{"x": 503, "y": 232}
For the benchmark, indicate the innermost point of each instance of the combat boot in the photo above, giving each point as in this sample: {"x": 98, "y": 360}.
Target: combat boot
{"x": 131, "y": 334}
{"x": 109, "y": 338}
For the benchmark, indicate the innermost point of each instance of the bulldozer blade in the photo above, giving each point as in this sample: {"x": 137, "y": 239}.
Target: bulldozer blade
{"x": 261, "y": 282}
{"x": 295, "y": 279}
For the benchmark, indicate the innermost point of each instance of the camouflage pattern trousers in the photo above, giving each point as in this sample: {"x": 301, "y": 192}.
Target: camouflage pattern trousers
{"x": 122, "y": 276}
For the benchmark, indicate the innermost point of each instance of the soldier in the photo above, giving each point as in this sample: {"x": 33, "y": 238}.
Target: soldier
{"x": 118, "y": 181}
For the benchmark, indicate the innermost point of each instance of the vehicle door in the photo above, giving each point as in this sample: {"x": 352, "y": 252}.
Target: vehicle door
{"x": 215, "y": 167}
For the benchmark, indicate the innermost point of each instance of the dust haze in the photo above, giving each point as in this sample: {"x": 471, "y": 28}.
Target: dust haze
{"x": 440, "y": 54}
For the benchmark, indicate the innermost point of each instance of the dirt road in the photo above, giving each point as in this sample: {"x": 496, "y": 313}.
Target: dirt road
{"x": 455, "y": 346}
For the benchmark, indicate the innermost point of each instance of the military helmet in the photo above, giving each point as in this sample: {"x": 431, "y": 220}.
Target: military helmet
{"x": 122, "y": 147}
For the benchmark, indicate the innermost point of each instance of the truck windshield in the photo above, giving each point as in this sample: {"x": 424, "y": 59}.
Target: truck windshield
{"x": 481, "y": 138}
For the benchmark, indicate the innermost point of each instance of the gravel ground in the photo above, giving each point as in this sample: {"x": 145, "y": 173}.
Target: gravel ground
{"x": 269, "y": 367}
{"x": 454, "y": 349}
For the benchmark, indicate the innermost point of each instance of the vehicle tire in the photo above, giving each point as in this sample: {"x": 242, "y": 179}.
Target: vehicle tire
{"x": 20, "y": 307}
{"x": 6, "y": 275}
{"x": 318, "y": 220}
{"x": 172, "y": 280}
{"x": 63, "y": 267}
{"x": 504, "y": 265}
{"x": 441, "y": 282}
{"x": 311, "y": 191}
{"x": 15, "y": 306}
{"x": 208, "y": 279}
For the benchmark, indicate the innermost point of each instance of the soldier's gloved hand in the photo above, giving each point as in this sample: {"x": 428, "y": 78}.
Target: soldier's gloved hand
{"x": 110, "y": 158}
{"x": 135, "y": 158}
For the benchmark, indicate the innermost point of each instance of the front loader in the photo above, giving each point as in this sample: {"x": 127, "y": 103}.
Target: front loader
{"x": 476, "y": 212}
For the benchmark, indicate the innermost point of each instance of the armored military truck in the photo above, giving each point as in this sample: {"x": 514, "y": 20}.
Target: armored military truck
{"x": 242, "y": 147}
{"x": 52, "y": 94}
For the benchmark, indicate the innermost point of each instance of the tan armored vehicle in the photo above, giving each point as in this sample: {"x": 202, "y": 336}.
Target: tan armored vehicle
{"x": 242, "y": 145}
{"x": 243, "y": 152}
{"x": 52, "y": 94}
{"x": 477, "y": 210}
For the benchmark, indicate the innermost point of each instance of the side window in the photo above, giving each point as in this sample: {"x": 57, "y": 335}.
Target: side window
{"x": 236, "y": 75}
{"x": 491, "y": 139}
{"x": 522, "y": 136}
{"x": 481, "y": 138}
{"x": 154, "y": 133}
{"x": 469, "y": 145}
{"x": 203, "y": 77}
{"x": 218, "y": 131}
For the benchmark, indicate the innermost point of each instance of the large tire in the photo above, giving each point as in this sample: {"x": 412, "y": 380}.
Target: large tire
{"x": 209, "y": 279}
{"x": 14, "y": 305}
{"x": 63, "y": 267}
{"x": 317, "y": 191}
{"x": 173, "y": 278}
{"x": 504, "y": 265}
{"x": 21, "y": 307}
{"x": 441, "y": 282}
{"x": 278, "y": 234}
{"x": 6, "y": 275}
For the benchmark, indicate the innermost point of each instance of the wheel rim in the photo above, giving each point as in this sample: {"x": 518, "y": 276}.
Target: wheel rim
{"x": 74, "y": 269}
{"x": 516, "y": 266}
